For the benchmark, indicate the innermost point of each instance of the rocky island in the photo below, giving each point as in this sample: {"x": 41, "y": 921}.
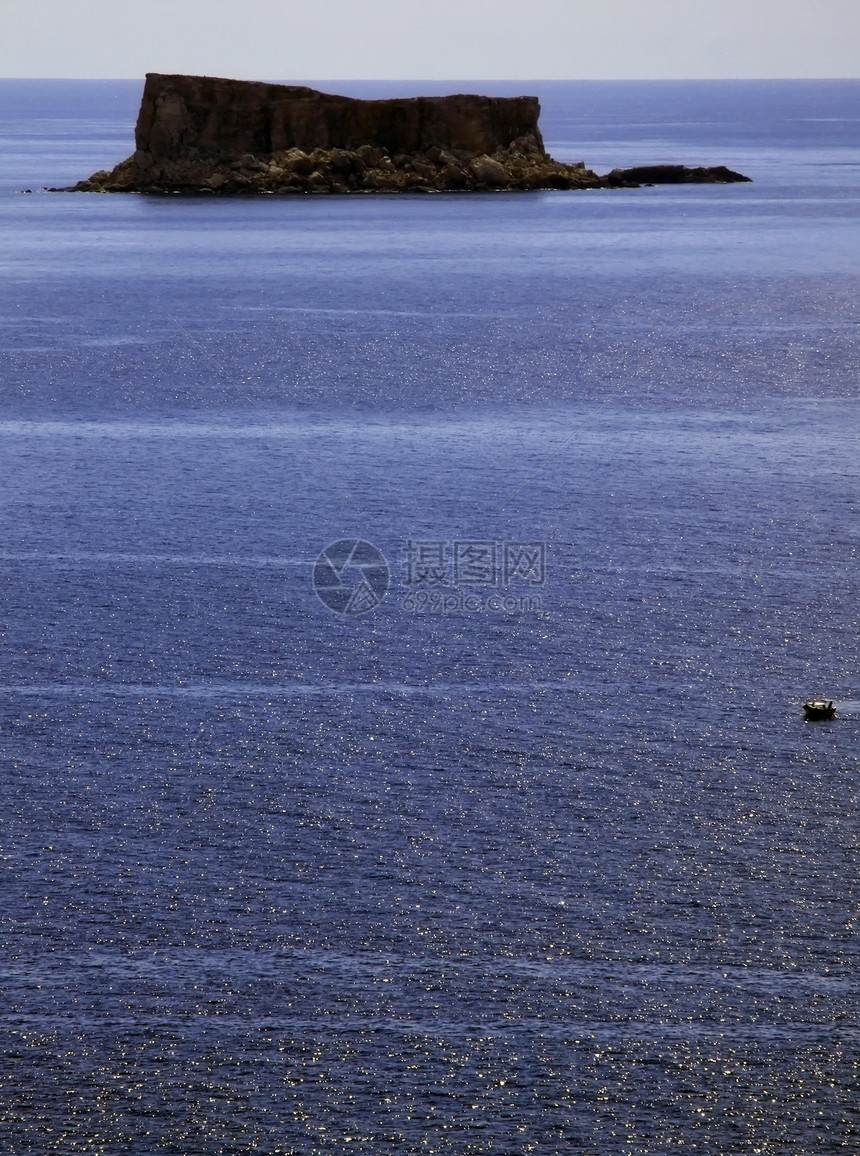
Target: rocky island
{"x": 206, "y": 135}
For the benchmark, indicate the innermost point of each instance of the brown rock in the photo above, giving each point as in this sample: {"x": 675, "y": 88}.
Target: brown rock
{"x": 674, "y": 175}
{"x": 489, "y": 172}
{"x": 204, "y": 134}
{"x": 181, "y": 113}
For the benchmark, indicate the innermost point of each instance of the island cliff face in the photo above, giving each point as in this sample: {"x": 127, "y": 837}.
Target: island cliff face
{"x": 233, "y": 117}
{"x": 199, "y": 134}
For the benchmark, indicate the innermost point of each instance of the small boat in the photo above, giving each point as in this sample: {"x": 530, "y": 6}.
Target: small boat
{"x": 817, "y": 708}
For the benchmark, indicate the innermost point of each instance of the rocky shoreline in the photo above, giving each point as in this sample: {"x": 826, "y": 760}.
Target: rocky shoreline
{"x": 206, "y": 136}
{"x": 369, "y": 170}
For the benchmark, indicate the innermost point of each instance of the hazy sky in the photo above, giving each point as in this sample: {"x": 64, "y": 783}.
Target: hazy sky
{"x": 431, "y": 39}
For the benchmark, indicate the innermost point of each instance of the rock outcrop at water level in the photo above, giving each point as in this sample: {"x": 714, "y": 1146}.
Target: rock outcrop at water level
{"x": 204, "y": 135}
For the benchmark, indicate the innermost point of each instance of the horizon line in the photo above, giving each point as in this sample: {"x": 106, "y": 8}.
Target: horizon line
{"x": 460, "y": 79}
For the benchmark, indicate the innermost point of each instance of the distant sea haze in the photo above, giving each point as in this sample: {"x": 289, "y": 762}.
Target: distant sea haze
{"x": 408, "y": 605}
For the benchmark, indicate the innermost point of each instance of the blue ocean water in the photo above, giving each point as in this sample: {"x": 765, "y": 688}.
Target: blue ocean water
{"x": 537, "y": 854}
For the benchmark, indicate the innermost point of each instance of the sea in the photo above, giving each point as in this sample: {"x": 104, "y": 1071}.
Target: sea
{"x": 408, "y": 604}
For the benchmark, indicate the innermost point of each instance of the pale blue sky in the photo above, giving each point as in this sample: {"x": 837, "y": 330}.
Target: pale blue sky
{"x": 431, "y": 39}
